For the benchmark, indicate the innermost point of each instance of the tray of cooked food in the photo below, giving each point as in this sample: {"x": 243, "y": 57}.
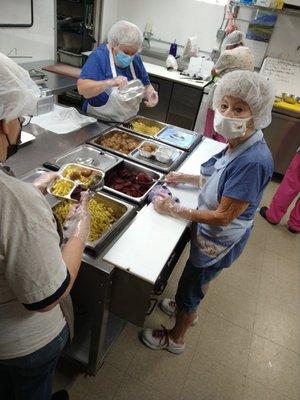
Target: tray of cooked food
{"x": 88, "y": 156}
{"x": 144, "y": 126}
{"x": 108, "y": 216}
{"x": 173, "y": 135}
{"x": 144, "y": 151}
{"x": 159, "y": 156}
{"x": 72, "y": 179}
{"x": 117, "y": 141}
{"x": 131, "y": 181}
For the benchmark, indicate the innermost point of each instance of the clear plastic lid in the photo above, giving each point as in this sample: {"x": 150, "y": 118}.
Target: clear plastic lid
{"x": 133, "y": 89}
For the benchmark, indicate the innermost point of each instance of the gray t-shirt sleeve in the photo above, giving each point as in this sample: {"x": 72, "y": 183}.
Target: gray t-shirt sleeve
{"x": 35, "y": 269}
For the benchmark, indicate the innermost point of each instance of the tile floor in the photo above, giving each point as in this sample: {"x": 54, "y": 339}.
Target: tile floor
{"x": 246, "y": 345}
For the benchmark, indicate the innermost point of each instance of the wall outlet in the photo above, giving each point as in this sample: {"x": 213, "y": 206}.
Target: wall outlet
{"x": 220, "y": 34}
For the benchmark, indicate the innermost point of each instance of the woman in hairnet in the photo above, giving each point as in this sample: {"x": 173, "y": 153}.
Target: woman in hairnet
{"x": 36, "y": 275}
{"x": 235, "y": 56}
{"x": 110, "y": 67}
{"x": 231, "y": 184}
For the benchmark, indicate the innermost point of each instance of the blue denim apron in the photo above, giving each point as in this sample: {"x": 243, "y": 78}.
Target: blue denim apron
{"x": 210, "y": 243}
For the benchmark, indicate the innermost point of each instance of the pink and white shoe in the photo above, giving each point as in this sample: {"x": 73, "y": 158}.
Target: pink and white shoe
{"x": 159, "y": 339}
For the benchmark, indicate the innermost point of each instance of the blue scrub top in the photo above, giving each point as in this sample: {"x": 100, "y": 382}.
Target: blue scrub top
{"x": 246, "y": 177}
{"x": 97, "y": 67}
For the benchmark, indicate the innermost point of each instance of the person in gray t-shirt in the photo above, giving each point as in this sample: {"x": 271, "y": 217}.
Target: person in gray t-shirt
{"x": 36, "y": 275}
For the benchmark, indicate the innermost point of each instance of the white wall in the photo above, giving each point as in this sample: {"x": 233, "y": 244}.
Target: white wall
{"x": 109, "y": 17}
{"x": 37, "y": 41}
{"x": 183, "y": 18}
{"x": 175, "y": 19}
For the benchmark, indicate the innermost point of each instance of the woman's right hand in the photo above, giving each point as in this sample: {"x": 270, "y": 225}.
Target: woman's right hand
{"x": 44, "y": 180}
{"x": 119, "y": 82}
{"x": 79, "y": 219}
{"x": 173, "y": 178}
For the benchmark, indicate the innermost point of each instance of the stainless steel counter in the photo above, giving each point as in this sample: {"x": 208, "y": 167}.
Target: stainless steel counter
{"x": 49, "y": 145}
{"x": 56, "y": 84}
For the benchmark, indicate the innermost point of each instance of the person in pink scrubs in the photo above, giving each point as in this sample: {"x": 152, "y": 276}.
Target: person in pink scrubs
{"x": 287, "y": 191}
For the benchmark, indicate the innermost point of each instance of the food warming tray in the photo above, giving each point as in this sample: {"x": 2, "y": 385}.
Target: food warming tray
{"x": 88, "y": 156}
{"x": 156, "y": 176}
{"x": 124, "y": 212}
{"x": 110, "y": 133}
{"x": 135, "y": 156}
{"x": 173, "y": 135}
{"x": 147, "y": 121}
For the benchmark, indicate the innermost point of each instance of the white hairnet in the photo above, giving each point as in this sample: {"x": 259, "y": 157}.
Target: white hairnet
{"x": 233, "y": 38}
{"x": 252, "y": 88}
{"x": 124, "y": 32}
{"x": 18, "y": 92}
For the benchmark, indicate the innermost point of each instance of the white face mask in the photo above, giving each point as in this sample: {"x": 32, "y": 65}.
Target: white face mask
{"x": 230, "y": 128}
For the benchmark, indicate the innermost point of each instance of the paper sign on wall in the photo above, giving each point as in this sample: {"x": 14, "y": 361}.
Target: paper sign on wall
{"x": 284, "y": 74}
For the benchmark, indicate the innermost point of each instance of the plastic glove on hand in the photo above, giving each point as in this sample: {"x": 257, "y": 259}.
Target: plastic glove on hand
{"x": 44, "y": 180}
{"x": 78, "y": 224}
{"x": 151, "y": 99}
{"x": 161, "y": 191}
{"x": 119, "y": 82}
{"x": 173, "y": 178}
{"x": 165, "y": 205}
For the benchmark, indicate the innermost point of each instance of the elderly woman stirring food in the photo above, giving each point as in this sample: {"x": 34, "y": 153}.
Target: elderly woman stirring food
{"x": 231, "y": 185}
{"x": 112, "y": 66}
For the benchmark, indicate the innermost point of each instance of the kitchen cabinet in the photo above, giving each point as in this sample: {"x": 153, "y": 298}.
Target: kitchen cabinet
{"x": 178, "y": 103}
{"x": 283, "y": 138}
{"x": 164, "y": 90}
{"x": 184, "y": 106}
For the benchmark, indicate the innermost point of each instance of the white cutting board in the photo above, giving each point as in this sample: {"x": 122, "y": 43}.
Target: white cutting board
{"x": 146, "y": 245}
{"x": 188, "y": 194}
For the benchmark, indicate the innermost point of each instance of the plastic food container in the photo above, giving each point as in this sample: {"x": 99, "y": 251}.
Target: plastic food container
{"x": 132, "y": 90}
{"x": 148, "y": 150}
{"x": 164, "y": 155}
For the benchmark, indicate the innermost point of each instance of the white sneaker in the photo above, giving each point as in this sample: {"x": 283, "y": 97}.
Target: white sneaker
{"x": 168, "y": 306}
{"x": 159, "y": 339}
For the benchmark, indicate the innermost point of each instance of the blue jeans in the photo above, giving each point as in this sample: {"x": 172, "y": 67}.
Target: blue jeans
{"x": 194, "y": 278}
{"x": 30, "y": 377}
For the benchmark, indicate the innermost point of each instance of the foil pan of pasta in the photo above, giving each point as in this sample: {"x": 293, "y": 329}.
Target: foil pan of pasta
{"x": 108, "y": 216}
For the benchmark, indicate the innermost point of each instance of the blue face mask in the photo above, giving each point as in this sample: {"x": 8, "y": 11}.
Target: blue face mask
{"x": 123, "y": 60}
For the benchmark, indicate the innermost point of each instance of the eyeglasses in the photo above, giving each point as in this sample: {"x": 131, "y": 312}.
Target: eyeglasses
{"x": 24, "y": 121}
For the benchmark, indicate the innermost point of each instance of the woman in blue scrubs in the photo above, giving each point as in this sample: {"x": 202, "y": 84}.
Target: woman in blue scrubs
{"x": 231, "y": 185}
{"x": 110, "y": 67}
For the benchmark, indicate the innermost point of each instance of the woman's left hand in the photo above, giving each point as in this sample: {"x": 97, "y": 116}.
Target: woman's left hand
{"x": 44, "y": 180}
{"x": 165, "y": 205}
{"x": 151, "y": 97}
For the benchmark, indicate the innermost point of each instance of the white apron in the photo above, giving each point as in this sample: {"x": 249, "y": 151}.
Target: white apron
{"x": 211, "y": 243}
{"x": 116, "y": 109}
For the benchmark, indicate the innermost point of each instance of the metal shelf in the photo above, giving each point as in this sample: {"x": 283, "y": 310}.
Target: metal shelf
{"x": 284, "y": 11}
